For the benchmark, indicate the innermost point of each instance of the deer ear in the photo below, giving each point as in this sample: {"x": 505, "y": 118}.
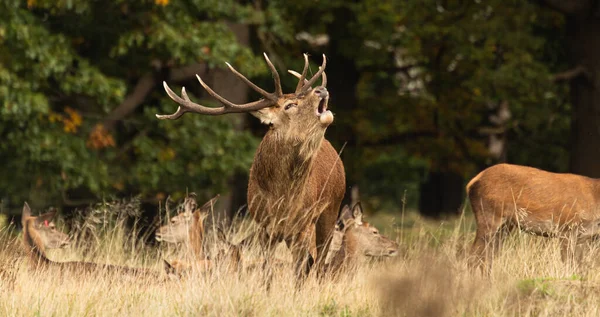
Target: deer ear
{"x": 209, "y": 205}
{"x": 345, "y": 217}
{"x": 45, "y": 218}
{"x": 189, "y": 203}
{"x": 357, "y": 212}
{"x": 26, "y": 213}
{"x": 265, "y": 115}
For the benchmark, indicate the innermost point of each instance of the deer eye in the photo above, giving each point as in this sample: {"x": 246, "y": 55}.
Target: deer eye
{"x": 289, "y": 105}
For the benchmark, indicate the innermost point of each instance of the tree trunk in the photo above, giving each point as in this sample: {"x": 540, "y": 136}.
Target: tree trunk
{"x": 584, "y": 49}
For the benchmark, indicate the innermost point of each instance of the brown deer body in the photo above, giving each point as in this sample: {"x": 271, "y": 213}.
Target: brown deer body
{"x": 505, "y": 196}
{"x": 354, "y": 239}
{"x": 297, "y": 180}
{"x": 34, "y": 244}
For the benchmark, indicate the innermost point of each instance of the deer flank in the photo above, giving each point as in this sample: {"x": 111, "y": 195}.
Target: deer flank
{"x": 505, "y": 196}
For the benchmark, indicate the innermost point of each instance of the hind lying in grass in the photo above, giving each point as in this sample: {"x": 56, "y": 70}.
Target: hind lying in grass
{"x": 35, "y": 243}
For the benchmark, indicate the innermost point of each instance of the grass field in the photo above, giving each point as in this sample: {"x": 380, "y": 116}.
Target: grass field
{"x": 428, "y": 278}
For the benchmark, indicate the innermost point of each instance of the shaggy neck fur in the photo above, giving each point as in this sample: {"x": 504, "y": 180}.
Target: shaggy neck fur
{"x": 284, "y": 163}
{"x": 196, "y": 234}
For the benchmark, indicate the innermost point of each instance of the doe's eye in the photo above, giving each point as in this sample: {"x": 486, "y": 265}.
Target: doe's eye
{"x": 289, "y": 105}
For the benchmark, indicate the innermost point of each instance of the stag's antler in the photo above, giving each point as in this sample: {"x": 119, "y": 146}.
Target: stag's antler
{"x": 270, "y": 99}
{"x": 186, "y": 105}
{"x": 302, "y": 79}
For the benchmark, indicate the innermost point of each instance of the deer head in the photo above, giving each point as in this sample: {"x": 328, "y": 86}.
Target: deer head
{"x": 188, "y": 223}
{"x": 361, "y": 236}
{"x": 46, "y": 228}
{"x": 294, "y": 116}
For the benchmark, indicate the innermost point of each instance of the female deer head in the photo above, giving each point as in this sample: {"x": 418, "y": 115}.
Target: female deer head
{"x": 187, "y": 226}
{"x": 46, "y": 228}
{"x": 354, "y": 237}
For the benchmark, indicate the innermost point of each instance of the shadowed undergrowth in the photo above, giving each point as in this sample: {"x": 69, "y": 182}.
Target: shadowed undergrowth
{"x": 428, "y": 278}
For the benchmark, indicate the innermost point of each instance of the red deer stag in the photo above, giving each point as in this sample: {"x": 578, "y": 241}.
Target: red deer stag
{"x": 505, "y": 196}
{"x": 34, "y": 244}
{"x": 355, "y": 238}
{"x": 297, "y": 179}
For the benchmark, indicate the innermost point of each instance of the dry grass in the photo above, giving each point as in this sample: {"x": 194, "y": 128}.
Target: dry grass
{"x": 429, "y": 278}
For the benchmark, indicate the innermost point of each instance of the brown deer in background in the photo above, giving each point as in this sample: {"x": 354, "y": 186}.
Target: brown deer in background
{"x": 504, "y": 197}
{"x": 187, "y": 227}
{"x": 354, "y": 239}
{"x": 297, "y": 179}
{"x": 34, "y": 243}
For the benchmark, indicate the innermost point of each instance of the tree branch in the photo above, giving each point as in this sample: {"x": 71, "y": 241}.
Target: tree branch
{"x": 569, "y": 7}
{"x": 572, "y": 74}
{"x": 145, "y": 86}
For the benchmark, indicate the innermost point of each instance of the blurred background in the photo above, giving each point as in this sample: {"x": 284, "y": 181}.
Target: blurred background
{"x": 425, "y": 93}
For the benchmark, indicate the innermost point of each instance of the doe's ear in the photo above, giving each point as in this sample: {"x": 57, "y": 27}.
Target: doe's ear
{"x": 45, "y": 218}
{"x": 357, "y": 212}
{"x": 345, "y": 218}
{"x": 26, "y": 213}
{"x": 208, "y": 206}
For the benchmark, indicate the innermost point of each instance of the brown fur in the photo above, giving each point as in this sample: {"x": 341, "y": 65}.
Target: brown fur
{"x": 504, "y": 197}
{"x": 354, "y": 239}
{"x": 36, "y": 250}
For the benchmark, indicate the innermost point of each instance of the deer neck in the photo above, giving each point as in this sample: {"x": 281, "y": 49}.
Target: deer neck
{"x": 196, "y": 234}
{"x": 350, "y": 246}
{"x": 282, "y": 164}
{"x": 34, "y": 244}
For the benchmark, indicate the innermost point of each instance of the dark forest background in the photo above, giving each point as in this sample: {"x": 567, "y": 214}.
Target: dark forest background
{"x": 426, "y": 94}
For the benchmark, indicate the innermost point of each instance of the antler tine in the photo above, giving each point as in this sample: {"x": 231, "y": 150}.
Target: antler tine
{"x": 323, "y": 79}
{"x": 317, "y": 75}
{"x": 186, "y": 105}
{"x": 297, "y": 75}
{"x": 303, "y": 76}
{"x": 278, "y": 90}
{"x": 249, "y": 83}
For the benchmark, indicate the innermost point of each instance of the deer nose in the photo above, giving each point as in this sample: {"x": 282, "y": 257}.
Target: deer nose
{"x": 321, "y": 92}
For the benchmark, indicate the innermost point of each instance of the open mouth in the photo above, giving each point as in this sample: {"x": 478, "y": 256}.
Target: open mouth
{"x": 322, "y": 106}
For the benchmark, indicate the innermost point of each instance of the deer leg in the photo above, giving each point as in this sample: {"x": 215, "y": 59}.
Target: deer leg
{"x": 301, "y": 254}
{"x": 570, "y": 246}
{"x": 267, "y": 246}
{"x": 322, "y": 236}
{"x": 488, "y": 240}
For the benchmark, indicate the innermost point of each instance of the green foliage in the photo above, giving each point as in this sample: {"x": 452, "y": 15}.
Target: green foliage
{"x": 65, "y": 64}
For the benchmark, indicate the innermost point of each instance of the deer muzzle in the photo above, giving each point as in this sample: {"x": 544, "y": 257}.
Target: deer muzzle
{"x": 325, "y": 116}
